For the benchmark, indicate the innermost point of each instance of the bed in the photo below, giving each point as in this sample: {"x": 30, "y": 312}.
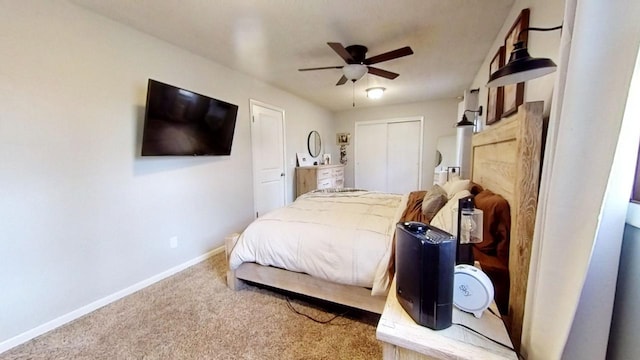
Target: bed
{"x": 336, "y": 244}
{"x": 505, "y": 160}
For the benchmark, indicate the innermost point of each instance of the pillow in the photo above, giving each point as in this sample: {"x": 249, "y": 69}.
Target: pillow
{"x": 474, "y": 188}
{"x": 444, "y": 217}
{"x": 453, "y": 186}
{"x": 433, "y": 201}
{"x": 413, "y": 211}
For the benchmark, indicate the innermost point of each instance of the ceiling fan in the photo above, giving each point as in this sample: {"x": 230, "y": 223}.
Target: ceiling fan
{"x": 357, "y": 63}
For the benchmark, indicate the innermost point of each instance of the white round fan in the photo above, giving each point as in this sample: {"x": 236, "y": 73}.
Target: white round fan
{"x": 472, "y": 290}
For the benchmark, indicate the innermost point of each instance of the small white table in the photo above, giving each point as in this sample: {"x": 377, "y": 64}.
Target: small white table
{"x": 403, "y": 338}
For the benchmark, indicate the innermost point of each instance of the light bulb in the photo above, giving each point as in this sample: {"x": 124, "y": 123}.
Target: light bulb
{"x": 467, "y": 226}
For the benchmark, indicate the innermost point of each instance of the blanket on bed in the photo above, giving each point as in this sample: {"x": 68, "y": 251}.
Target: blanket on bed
{"x": 343, "y": 237}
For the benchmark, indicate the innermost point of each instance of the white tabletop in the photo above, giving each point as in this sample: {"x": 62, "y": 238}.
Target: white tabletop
{"x": 396, "y": 327}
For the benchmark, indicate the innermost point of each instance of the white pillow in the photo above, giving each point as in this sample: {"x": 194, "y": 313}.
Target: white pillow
{"x": 453, "y": 186}
{"x": 444, "y": 217}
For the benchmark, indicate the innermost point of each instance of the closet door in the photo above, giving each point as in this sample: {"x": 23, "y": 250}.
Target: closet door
{"x": 404, "y": 144}
{"x": 371, "y": 156}
{"x": 388, "y": 155}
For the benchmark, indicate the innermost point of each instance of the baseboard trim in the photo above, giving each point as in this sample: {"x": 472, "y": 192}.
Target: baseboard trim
{"x": 64, "y": 319}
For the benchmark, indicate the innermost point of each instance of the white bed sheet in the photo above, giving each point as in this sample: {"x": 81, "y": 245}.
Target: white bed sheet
{"x": 343, "y": 237}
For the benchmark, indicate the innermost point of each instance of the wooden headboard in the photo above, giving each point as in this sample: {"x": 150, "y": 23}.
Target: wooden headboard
{"x": 506, "y": 160}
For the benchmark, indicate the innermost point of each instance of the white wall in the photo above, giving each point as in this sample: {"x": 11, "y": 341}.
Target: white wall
{"x": 439, "y": 120}
{"x": 82, "y": 214}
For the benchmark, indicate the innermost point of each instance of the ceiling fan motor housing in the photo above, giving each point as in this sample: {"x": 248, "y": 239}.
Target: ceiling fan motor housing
{"x": 358, "y": 53}
{"x": 357, "y": 64}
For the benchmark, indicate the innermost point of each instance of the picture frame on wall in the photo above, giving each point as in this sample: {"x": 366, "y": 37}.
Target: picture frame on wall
{"x": 495, "y": 95}
{"x": 514, "y": 93}
{"x": 343, "y": 139}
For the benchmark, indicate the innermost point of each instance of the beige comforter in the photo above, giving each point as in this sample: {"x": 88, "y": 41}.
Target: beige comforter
{"x": 343, "y": 237}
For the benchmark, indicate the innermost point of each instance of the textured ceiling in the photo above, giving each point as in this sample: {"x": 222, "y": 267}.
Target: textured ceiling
{"x": 271, "y": 39}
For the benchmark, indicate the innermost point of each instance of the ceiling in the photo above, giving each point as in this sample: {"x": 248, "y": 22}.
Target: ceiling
{"x": 271, "y": 39}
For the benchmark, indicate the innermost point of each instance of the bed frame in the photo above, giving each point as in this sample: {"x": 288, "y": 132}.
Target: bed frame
{"x": 353, "y": 296}
{"x": 506, "y": 160}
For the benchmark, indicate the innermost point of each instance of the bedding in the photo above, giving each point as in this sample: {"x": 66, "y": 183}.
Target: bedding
{"x": 444, "y": 217}
{"x": 456, "y": 185}
{"x": 344, "y": 237}
{"x": 417, "y": 210}
{"x": 493, "y": 251}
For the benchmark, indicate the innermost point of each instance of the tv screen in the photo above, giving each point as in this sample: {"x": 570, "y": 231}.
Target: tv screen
{"x": 181, "y": 122}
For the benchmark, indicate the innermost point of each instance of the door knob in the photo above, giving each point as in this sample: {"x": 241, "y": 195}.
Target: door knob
{"x": 281, "y": 174}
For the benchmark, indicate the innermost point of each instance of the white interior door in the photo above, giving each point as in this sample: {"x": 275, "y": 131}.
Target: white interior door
{"x": 388, "y": 155}
{"x": 267, "y": 143}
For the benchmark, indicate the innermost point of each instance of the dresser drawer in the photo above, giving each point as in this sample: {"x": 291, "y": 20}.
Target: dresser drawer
{"x": 324, "y": 174}
{"x": 325, "y": 184}
{"x": 338, "y": 173}
{"x": 309, "y": 178}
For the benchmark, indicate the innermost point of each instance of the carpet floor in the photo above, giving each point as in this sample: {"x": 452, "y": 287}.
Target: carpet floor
{"x": 194, "y": 315}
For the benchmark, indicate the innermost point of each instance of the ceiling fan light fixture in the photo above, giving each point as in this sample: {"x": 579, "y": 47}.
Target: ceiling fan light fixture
{"x": 375, "y": 92}
{"x": 354, "y": 72}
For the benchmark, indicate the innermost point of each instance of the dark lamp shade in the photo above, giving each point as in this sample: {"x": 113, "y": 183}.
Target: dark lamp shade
{"x": 464, "y": 121}
{"x": 521, "y": 67}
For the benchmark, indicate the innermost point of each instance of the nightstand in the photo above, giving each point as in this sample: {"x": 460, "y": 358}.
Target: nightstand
{"x": 402, "y": 338}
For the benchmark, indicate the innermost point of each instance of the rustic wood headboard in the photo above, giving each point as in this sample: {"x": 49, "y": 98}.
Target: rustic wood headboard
{"x": 506, "y": 160}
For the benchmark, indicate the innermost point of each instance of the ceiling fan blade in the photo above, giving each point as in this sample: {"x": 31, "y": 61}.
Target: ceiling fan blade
{"x": 340, "y": 50}
{"x": 383, "y": 73}
{"x": 394, "y": 54}
{"x": 321, "y": 68}
{"x": 342, "y": 80}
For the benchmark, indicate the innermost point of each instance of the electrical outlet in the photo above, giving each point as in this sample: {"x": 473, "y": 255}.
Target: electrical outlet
{"x": 173, "y": 242}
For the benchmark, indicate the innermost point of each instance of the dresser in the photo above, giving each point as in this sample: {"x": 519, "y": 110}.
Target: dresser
{"x": 318, "y": 177}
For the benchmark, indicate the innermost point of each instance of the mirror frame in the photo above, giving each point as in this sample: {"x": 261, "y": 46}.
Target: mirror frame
{"x": 317, "y": 143}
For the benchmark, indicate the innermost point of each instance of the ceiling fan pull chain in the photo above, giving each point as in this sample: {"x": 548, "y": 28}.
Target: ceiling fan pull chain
{"x": 353, "y": 92}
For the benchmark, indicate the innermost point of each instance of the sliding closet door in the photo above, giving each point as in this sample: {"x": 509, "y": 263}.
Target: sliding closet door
{"x": 370, "y": 156}
{"x": 388, "y": 155}
{"x": 404, "y": 156}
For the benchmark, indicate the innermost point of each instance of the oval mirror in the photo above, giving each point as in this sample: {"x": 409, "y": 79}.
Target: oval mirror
{"x": 438, "y": 158}
{"x": 314, "y": 143}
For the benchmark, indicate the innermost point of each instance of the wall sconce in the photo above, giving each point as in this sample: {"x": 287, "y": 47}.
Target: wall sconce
{"x": 375, "y": 92}
{"x": 465, "y": 121}
{"x": 521, "y": 66}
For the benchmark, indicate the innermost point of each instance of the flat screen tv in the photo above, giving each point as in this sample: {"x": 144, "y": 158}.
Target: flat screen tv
{"x": 179, "y": 122}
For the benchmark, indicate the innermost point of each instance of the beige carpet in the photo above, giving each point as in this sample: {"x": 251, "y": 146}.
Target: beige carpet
{"x": 193, "y": 315}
